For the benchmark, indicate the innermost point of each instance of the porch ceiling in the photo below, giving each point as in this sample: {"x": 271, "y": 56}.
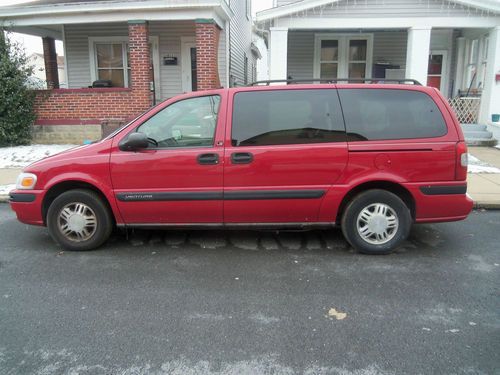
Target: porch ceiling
{"x": 59, "y": 12}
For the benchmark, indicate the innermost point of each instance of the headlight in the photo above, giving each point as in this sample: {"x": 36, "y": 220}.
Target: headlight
{"x": 26, "y": 181}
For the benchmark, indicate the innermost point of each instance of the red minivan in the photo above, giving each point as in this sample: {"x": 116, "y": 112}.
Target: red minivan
{"x": 372, "y": 158}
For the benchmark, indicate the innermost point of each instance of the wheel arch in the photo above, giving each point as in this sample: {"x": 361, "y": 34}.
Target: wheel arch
{"x": 390, "y": 186}
{"x": 67, "y": 185}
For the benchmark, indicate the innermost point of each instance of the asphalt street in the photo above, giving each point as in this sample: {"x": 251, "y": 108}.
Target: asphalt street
{"x": 251, "y": 303}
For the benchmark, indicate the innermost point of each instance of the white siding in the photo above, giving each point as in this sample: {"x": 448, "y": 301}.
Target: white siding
{"x": 388, "y": 47}
{"x": 241, "y": 39}
{"x": 169, "y": 34}
{"x": 389, "y": 8}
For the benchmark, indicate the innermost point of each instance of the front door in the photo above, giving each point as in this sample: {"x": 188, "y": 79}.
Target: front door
{"x": 189, "y": 70}
{"x": 436, "y": 72}
{"x": 284, "y": 149}
{"x": 178, "y": 179}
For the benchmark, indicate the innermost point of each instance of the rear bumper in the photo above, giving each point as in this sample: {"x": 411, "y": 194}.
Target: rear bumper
{"x": 27, "y": 205}
{"x": 440, "y": 202}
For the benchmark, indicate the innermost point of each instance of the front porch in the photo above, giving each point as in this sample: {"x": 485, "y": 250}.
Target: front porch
{"x": 118, "y": 66}
{"x": 453, "y": 45}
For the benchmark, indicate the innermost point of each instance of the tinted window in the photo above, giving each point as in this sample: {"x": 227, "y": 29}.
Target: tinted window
{"x": 286, "y": 117}
{"x": 372, "y": 114}
{"x": 187, "y": 123}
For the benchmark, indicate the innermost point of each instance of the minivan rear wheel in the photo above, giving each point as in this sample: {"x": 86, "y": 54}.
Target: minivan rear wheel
{"x": 79, "y": 220}
{"x": 376, "y": 222}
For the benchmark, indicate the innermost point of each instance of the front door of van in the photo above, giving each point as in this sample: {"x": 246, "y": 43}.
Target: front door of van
{"x": 178, "y": 178}
{"x": 284, "y": 149}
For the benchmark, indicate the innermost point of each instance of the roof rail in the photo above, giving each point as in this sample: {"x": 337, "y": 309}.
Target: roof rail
{"x": 336, "y": 80}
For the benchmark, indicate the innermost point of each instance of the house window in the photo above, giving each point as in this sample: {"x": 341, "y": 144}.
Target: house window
{"x": 111, "y": 60}
{"x": 343, "y": 56}
{"x": 357, "y": 58}
{"x": 329, "y": 58}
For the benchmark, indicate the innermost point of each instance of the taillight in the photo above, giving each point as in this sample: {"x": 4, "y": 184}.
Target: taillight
{"x": 462, "y": 161}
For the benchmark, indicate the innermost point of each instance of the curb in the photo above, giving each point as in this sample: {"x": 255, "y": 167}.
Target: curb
{"x": 486, "y": 205}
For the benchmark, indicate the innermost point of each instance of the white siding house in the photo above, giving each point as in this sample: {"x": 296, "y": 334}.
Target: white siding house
{"x": 453, "y": 45}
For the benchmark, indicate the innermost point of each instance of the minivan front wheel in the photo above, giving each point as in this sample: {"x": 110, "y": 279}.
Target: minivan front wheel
{"x": 79, "y": 220}
{"x": 376, "y": 222}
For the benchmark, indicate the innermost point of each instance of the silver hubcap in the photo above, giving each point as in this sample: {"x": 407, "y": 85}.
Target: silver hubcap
{"x": 377, "y": 223}
{"x": 77, "y": 222}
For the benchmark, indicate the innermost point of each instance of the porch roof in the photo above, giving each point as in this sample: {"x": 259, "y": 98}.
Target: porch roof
{"x": 301, "y": 6}
{"x": 59, "y": 12}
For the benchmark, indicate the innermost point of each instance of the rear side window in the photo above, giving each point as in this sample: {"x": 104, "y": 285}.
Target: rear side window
{"x": 374, "y": 114}
{"x": 281, "y": 117}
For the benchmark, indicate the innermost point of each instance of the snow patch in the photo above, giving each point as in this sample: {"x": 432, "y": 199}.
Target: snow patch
{"x": 478, "y": 166}
{"x": 5, "y": 189}
{"x": 21, "y": 156}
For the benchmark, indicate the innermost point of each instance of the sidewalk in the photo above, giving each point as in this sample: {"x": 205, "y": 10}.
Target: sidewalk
{"x": 484, "y": 188}
{"x": 483, "y": 185}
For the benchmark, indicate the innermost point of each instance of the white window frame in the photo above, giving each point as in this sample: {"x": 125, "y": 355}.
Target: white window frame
{"x": 154, "y": 40}
{"x": 343, "y": 55}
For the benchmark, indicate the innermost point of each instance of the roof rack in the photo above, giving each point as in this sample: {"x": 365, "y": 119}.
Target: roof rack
{"x": 336, "y": 80}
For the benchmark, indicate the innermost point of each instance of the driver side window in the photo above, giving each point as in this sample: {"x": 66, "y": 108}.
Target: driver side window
{"x": 186, "y": 123}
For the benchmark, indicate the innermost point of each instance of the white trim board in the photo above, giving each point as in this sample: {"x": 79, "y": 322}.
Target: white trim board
{"x": 387, "y": 23}
{"x": 187, "y": 42}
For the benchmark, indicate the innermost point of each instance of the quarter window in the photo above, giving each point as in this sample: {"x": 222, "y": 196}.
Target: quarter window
{"x": 280, "y": 117}
{"x": 373, "y": 114}
{"x": 186, "y": 123}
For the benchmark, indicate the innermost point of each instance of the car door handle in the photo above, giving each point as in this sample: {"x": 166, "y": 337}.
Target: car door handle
{"x": 241, "y": 158}
{"x": 206, "y": 159}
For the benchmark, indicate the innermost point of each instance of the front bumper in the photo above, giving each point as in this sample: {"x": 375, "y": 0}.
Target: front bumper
{"x": 27, "y": 204}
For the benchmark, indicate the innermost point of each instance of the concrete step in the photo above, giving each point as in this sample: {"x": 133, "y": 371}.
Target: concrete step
{"x": 484, "y": 142}
{"x": 478, "y": 134}
{"x": 473, "y": 127}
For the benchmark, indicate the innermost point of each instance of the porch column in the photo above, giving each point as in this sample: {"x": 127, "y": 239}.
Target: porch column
{"x": 459, "y": 75}
{"x": 417, "y": 53}
{"x": 50, "y": 59}
{"x": 207, "y": 48}
{"x": 278, "y": 50}
{"x": 490, "y": 98}
{"x": 138, "y": 41}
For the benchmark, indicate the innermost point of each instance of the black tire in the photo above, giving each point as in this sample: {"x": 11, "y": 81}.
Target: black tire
{"x": 85, "y": 224}
{"x": 379, "y": 233}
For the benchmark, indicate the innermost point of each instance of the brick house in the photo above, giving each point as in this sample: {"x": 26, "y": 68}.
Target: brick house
{"x": 453, "y": 45}
{"x": 145, "y": 50}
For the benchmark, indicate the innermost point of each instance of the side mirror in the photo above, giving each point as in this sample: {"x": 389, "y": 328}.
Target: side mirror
{"x": 134, "y": 141}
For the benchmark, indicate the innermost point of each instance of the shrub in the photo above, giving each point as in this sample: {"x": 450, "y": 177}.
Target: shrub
{"x": 16, "y": 99}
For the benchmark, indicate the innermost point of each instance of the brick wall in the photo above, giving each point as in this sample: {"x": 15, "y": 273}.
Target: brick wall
{"x": 87, "y": 104}
{"x": 140, "y": 62}
{"x": 207, "y": 46}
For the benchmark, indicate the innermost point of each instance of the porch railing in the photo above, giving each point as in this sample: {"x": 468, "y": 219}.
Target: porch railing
{"x": 466, "y": 109}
